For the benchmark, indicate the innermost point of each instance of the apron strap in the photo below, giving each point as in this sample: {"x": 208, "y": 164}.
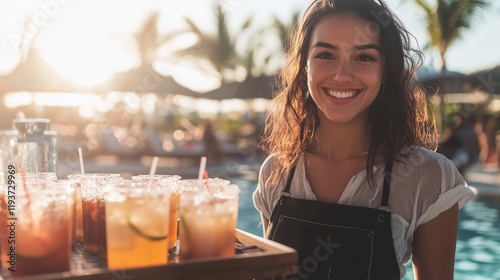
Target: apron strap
{"x": 387, "y": 187}
{"x": 286, "y": 191}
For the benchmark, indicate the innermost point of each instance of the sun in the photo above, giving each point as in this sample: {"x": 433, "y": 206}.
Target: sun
{"x": 83, "y": 56}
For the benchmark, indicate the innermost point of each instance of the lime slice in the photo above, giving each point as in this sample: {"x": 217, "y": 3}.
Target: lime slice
{"x": 148, "y": 227}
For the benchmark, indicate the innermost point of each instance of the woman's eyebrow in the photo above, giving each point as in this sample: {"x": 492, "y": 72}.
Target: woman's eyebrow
{"x": 333, "y": 47}
{"x": 367, "y": 46}
{"x": 324, "y": 45}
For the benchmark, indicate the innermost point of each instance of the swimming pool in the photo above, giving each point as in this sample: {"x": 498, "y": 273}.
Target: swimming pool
{"x": 478, "y": 245}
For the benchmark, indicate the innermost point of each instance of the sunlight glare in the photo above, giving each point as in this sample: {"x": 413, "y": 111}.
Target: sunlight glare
{"x": 17, "y": 99}
{"x": 65, "y": 99}
{"x": 86, "y": 112}
{"x": 149, "y": 103}
{"x": 233, "y": 105}
{"x": 84, "y": 60}
{"x": 208, "y": 107}
{"x": 133, "y": 101}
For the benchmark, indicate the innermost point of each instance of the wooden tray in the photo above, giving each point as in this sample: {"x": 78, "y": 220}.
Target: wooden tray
{"x": 257, "y": 258}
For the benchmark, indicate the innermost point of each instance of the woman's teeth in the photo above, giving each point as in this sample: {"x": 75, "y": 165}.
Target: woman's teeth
{"x": 341, "y": 94}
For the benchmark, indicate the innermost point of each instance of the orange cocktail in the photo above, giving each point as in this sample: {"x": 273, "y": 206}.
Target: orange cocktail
{"x": 137, "y": 225}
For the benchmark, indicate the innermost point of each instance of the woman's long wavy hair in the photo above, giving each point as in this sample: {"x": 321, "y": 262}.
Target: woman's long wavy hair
{"x": 398, "y": 117}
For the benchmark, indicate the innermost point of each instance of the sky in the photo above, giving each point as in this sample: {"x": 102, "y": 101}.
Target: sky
{"x": 88, "y": 40}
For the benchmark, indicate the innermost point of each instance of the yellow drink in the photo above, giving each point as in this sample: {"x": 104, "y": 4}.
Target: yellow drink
{"x": 137, "y": 227}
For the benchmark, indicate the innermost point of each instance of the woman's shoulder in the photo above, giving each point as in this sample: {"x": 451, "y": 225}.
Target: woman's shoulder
{"x": 269, "y": 164}
{"x": 421, "y": 164}
{"x": 424, "y": 158}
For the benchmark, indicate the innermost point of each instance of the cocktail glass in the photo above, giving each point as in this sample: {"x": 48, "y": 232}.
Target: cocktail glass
{"x": 43, "y": 230}
{"x": 171, "y": 182}
{"x": 137, "y": 225}
{"x": 93, "y": 188}
{"x": 208, "y": 216}
{"x": 4, "y": 231}
{"x": 8, "y": 192}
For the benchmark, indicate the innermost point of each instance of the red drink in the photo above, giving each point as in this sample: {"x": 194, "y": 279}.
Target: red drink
{"x": 44, "y": 249}
{"x": 4, "y": 232}
{"x": 43, "y": 229}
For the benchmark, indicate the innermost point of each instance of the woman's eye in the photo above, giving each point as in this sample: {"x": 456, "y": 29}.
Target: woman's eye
{"x": 365, "y": 57}
{"x": 325, "y": 55}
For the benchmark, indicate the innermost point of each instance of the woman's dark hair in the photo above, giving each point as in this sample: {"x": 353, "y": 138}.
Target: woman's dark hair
{"x": 398, "y": 117}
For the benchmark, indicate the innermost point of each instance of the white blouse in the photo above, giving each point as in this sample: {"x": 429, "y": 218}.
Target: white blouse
{"x": 423, "y": 185}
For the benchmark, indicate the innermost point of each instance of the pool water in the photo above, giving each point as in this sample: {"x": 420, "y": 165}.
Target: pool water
{"x": 478, "y": 245}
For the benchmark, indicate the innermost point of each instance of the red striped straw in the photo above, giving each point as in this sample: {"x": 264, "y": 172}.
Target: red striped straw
{"x": 206, "y": 179}
{"x": 23, "y": 178}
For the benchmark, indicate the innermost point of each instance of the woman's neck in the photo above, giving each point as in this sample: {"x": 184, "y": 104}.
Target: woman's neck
{"x": 341, "y": 141}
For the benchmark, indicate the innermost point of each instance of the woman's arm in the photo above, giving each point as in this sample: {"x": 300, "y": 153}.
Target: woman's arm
{"x": 434, "y": 247}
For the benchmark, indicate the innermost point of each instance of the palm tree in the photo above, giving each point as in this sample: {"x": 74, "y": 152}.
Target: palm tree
{"x": 285, "y": 29}
{"x": 218, "y": 49}
{"x": 149, "y": 40}
{"x": 446, "y": 22}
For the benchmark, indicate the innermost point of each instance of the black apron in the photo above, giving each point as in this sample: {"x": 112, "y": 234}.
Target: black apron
{"x": 336, "y": 241}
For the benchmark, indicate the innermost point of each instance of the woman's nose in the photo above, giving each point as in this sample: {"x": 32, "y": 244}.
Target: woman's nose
{"x": 343, "y": 71}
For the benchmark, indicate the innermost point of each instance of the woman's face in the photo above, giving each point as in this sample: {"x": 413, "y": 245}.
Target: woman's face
{"x": 344, "y": 66}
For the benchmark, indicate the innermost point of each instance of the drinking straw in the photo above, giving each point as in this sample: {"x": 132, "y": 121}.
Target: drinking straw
{"x": 81, "y": 161}
{"x": 206, "y": 179}
{"x": 152, "y": 171}
{"x": 36, "y": 172}
{"x": 22, "y": 171}
{"x": 203, "y": 165}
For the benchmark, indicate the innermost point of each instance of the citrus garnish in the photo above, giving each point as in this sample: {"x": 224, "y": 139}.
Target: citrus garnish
{"x": 150, "y": 228}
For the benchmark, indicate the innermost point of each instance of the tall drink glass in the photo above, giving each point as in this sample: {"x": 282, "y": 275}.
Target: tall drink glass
{"x": 171, "y": 182}
{"x": 137, "y": 225}
{"x": 44, "y": 227}
{"x": 78, "y": 226}
{"x": 93, "y": 188}
{"x": 208, "y": 216}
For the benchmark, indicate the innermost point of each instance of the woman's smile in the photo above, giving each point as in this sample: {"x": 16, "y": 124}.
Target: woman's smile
{"x": 341, "y": 95}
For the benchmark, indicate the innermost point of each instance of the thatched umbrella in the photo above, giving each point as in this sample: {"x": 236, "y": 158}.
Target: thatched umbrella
{"x": 250, "y": 88}
{"x": 487, "y": 80}
{"x": 35, "y": 74}
{"x": 145, "y": 79}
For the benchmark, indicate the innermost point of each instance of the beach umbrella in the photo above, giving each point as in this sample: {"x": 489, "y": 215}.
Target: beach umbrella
{"x": 145, "y": 79}
{"x": 250, "y": 88}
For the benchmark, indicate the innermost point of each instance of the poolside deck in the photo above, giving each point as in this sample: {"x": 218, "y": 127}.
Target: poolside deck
{"x": 484, "y": 180}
